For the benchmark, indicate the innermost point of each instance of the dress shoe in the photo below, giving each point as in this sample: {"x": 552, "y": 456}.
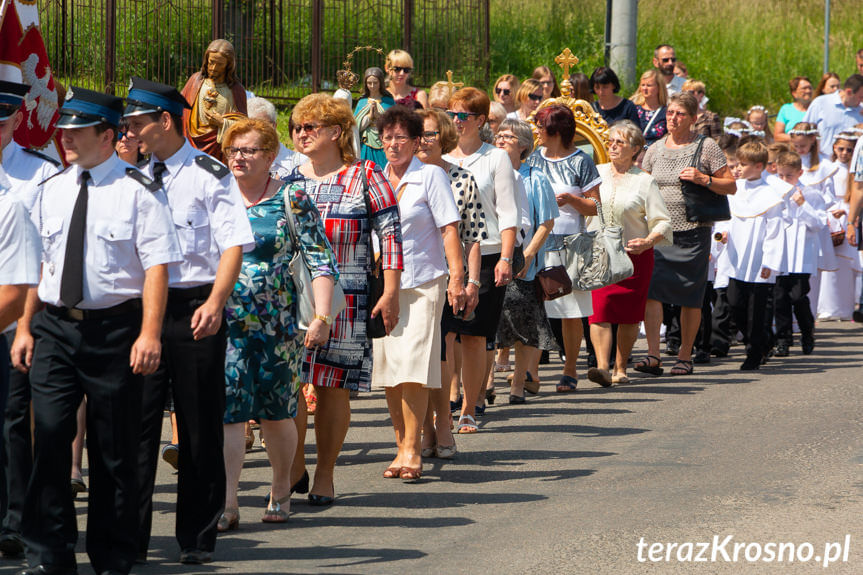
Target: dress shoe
{"x": 302, "y": 484}
{"x": 781, "y": 350}
{"x": 171, "y": 455}
{"x": 49, "y": 570}
{"x": 750, "y": 364}
{"x": 516, "y": 399}
{"x": 320, "y": 500}
{"x": 808, "y": 345}
{"x": 701, "y": 357}
{"x": 672, "y": 348}
{"x": 11, "y": 545}
{"x": 195, "y": 556}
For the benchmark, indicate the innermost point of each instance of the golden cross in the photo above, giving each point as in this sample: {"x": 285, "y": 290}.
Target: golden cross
{"x": 566, "y": 60}
{"x": 450, "y": 84}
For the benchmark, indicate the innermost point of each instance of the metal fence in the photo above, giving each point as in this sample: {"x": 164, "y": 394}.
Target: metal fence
{"x": 285, "y": 48}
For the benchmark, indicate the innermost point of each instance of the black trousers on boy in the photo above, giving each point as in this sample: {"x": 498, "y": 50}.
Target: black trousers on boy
{"x": 791, "y": 296}
{"x": 750, "y": 305}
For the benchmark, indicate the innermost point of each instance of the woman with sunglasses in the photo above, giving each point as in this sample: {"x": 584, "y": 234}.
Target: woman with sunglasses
{"x": 529, "y": 96}
{"x": 265, "y": 348}
{"x": 399, "y": 66}
{"x": 342, "y": 187}
{"x": 495, "y": 179}
{"x": 504, "y": 90}
{"x": 440, "y": 137}
{"x": 575, "y": 181}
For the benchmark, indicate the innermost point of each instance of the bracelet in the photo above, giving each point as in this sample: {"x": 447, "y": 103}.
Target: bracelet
{"x": 477, "y": 283}
{"x": 507, "y": 260}
{"x": 327, "y": 319}
{"x": 709, "y": 180}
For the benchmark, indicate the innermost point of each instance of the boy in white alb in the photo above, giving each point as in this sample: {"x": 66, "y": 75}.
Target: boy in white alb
{"x": 806, "y": 216}
{"x": 756, "y": 249}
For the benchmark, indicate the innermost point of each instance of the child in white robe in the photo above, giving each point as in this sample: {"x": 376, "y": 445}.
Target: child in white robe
{"x": 755, "y": 250}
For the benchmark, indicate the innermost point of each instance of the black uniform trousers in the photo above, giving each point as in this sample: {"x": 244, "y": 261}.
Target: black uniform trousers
{"x": 705, "y": 329}
{"x": 722, "y": 328}
{"x": 18, "y": 449}
{"x": 751, "y": 310}
{"x": 194, "y": 371}
{"x": 790, "y": 296}
{"x": 73, "y": 359}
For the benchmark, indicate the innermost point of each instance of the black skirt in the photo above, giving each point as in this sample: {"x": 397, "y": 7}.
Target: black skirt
{"x": 680, "y": 270}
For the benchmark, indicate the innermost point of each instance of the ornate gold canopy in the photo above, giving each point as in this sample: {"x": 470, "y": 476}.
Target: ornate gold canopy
{"x": 588, "y": 123}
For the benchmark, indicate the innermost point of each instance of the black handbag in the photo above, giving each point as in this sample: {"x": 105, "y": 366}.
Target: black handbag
{"x": 374, "y": 276}
{"x": 702, "y": 204}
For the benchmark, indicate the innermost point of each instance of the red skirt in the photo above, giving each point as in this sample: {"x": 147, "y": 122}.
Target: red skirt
{"x": 624, "y": 301}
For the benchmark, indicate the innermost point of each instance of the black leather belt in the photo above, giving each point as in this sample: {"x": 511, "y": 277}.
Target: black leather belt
{"x": 186, "y": 294}
{"x": 76, "y": 314}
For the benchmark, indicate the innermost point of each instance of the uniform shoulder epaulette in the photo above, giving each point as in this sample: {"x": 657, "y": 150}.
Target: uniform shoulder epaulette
{"x": 52, "y": 176}
{"x": 42, "y": 156}
{"x": 212, "y": 166}
{"x": 142, "y": 163}
{"x": 143, "y": 180}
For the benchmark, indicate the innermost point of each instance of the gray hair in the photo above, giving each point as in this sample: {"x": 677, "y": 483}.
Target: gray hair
{"x": 630, "y": 132}
{"x": 262, "y": 109}
{"x": 522, "y": 131}
{"x": 496, "y": 110}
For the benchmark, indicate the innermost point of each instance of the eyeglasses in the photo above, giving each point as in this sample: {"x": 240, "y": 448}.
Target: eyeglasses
{"x": 245, "y": 152}
{"x": 461, "y": 116}
{"x": 400, "y": 140}
{"x": 502, "y": 91}
{"x": 404, "y": 69}
{"x": 307, "y": 128}
{"x": 617, "y": 142}
{"x": 429, "y": 136}
{"x": 535, "y": 97}
{"x": 506, "y": 138}
{"x": 668, "y": 59}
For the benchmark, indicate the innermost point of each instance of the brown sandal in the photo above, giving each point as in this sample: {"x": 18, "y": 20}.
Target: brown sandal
{"x": 274, "y": 512}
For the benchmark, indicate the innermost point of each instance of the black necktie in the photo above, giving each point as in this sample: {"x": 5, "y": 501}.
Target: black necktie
{"x": 72, "y": 281}
{"x": 159, "y": 168}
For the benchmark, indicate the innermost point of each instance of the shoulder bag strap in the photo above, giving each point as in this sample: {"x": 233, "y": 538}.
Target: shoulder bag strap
{"x": 696, "y": 157}
{"x": 653, "y": 119}
{"x": 289, "y": 218}
{"x": 368, "y": 203}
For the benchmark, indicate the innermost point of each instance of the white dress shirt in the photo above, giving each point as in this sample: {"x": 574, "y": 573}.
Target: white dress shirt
{"x": 129, "y": 230}
{"x": 26, "y": 171}
{"x": 20, "y": 249}
{"x": 803, "y": 227}
{"x": 426, "y": 205}
{"x": 285, "y": 162}
{"x": 756, "y": 236}
{"x": 495, "y": 180}
{"x": 208, "y": 213}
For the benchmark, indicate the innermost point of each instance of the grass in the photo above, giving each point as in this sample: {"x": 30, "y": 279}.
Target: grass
{"x": 745, "y": 51}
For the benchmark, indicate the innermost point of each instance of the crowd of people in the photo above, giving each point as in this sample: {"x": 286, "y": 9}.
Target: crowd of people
{"x": 405, "y": 243}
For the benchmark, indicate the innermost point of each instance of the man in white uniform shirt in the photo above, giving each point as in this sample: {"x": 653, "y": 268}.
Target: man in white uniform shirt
{"x": 107, "y": 240}
{"x": 213, "y": 230}
{"x": 24, "y": 170}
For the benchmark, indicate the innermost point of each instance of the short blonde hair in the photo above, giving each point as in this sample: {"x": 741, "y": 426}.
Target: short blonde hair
{"x": 691, "y": 85}
{"x": 398, "y": 58}
{"x": 439, "y": 95}
{"x": 527, "y": 88}
{"x": 267, "y": 134}
{"x": 448, "y": 133}
{"x": 328, "y": 111}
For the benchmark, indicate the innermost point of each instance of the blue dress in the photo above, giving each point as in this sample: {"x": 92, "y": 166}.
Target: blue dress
{"x": 262, "y": 367}
{"x": 371, "y": 147}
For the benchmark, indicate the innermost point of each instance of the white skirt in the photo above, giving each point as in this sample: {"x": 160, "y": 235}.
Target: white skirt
{"x": 572, "y": 306}
{"x": 411, "y": 352}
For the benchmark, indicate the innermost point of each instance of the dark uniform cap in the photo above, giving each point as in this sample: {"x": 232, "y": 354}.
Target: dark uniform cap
{"x": 84, "y": 108}
{"x": 11, "y": 96}
{"x": 146, "y": 97}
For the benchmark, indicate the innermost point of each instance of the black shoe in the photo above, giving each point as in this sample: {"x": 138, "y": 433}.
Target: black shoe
{"x": 591, "y": 361}
{"x": 455, "y": 405}
{"x": 857, "y": 316}
{"x": 11, "y": 545}
{"x": 701, "y": 356}
{"x": 808, "y": 346}
{"x": 320, "y": 500}
{"x": 301, "y": 486}
{"x": 49, "y": 570}
{"x": 781, "y": 350}
{"x": 516, "y": 399}
{"x": 195, "y": 556}
{"x": 672, "y": 348}
{"x": 717, "y": 352}
{"x": 750, "y": 364}
{"x": 544, "y": 359}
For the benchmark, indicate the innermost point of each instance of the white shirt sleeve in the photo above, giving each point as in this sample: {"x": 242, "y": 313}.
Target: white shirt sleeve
{"x": 20, "y": 247}
{"x": 506, "y": 199}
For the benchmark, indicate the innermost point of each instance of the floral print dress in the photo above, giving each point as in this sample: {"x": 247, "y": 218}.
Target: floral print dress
{"x": 265, "y": 350}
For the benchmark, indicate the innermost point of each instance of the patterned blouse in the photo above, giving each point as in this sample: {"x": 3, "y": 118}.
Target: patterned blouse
{"x": 657, "y": 128}
{"x": 471, "y": 227}
{"x": 346, "y": 359}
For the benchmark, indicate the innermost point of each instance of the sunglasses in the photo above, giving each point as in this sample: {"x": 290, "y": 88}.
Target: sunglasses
{"x": 502, "y": 91}
{"x": 307, "y": 128}
{"x": 535, "y": 97}
{"x": 404, "y": 69}
{"x": 461, "y": 116}
{"x": 668, "y": 59}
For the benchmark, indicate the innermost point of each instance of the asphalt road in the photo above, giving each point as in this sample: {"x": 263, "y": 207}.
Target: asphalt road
{"x": 600, "y": 481}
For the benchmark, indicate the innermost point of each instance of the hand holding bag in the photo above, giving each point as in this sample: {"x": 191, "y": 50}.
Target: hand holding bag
{"x": 702, "y": 204}
{"x": 553, "y": 281}
{"x": 302, "y": 278}
{"x": 597, "y": 259}
{"x": 375, "y": 275}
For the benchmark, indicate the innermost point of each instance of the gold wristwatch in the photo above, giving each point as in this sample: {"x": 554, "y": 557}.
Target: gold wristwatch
{"x": 327, "y": 319}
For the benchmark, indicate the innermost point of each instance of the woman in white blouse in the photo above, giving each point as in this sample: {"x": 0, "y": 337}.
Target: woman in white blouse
{"x": 630, "y": 198}
{"x": 407, "y": 360}
{"x": 492, "y": 170}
